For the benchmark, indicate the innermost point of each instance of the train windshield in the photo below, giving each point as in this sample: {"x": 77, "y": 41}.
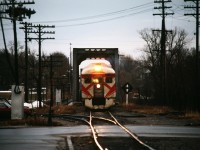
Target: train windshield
{"x": 108, "y": 79}
{"x": 88, "y": 80}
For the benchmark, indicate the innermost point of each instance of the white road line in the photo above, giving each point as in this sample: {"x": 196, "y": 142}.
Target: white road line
{"x": 69, "y": 142}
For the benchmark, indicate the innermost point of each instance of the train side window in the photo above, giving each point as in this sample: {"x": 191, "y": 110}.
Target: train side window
{"x": 108, "y": 79}
{"x": 88, "y": 80}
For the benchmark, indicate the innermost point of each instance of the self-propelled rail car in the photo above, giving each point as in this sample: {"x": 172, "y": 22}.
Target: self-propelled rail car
{"x": 98, "y": 87}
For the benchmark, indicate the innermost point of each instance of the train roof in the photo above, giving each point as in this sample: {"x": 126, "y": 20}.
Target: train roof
{"x": 96, "y": 68}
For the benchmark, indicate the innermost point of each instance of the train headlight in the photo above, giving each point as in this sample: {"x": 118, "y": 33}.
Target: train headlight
{"x": 98, "y": 86}
{"x": 98, "y": 68}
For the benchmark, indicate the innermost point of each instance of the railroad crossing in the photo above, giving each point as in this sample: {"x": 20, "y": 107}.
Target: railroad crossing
{"x": 49, "y": 138}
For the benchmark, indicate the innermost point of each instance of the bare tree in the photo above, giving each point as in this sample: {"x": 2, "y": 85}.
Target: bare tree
{"x": 178, "y": 63}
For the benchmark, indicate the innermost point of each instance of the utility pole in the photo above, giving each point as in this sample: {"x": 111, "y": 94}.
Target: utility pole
{"x": 70, "y": 71}
{"x": 16, "y": 13}
{"x": 40, "y": 33}
{"x": 163, "y": 14}
{"x": 6, "y": 50}
{"x": 196, "y": 15}
{"x": 51, "y": 85}
{"x": 26, "y": 29}
{"x": 51, "y": 65}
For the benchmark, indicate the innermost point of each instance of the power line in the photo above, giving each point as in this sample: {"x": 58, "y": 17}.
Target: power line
{"x": 100, "y": 15}
{"x": 178, "y": 7}
{"x": 105, "y": 20}
{"x": 104, "y": 15}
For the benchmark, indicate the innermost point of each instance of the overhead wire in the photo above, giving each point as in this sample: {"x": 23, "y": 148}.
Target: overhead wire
{"x": 180, "y": 16}
{"x": 128, "y": 10}
{"x": 122, "y": 13}
{"x": 100, "y": 15}
{"x": 104, "y": 17}
{"x": 104, "y": 20}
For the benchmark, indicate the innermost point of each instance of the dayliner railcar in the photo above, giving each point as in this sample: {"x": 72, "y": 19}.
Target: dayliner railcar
{"x": 98, "y": 87}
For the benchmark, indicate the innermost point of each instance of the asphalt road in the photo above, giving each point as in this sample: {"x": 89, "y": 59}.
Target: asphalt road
{"x": 43, "y": 138}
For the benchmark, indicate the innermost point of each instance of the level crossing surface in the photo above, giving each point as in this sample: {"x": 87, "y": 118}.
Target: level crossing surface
{"x": 32, "y": 138}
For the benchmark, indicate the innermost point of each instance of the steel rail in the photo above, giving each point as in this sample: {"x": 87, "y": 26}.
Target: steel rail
{"x": 94, "y": 133}
{"x": 91, "y": 127}
{"x": 105, "y": 119}
{"x": 134, "y": 136}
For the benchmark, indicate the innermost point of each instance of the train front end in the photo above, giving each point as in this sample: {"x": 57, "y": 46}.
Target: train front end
{"x": 98, "y": 87}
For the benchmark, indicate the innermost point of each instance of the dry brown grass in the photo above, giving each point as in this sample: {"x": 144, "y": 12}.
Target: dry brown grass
{"x": 64, "y": 109}
{"x": 161, "y": 110}
{"x": 60, "y": 109}
{"x": 192, "y": 115}
{"x": 37, "y": 120}
{"x": 31, "y": 121}
{"x": 147, "y": 109}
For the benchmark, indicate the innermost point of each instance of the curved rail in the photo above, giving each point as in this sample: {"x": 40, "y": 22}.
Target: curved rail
{"x": 131, "y": 134}
{"x": 113, "y": 120}
{"x": 94, "y": 133}
{"x": 90, "y": 124}
{"x": 105, "y": 119}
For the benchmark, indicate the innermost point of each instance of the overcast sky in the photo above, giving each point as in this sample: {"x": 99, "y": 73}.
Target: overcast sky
{"x": 100, "y": 24}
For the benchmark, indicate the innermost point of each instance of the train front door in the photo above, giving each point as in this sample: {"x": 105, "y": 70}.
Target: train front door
{"x": 99, "y": 93}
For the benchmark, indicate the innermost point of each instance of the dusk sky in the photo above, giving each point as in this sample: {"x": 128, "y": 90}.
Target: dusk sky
{"x": 100, "y": 24}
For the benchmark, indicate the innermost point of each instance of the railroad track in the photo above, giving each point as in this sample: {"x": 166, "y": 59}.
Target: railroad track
{"x": 89, "y": 120}
{"x": 116, "y": 122}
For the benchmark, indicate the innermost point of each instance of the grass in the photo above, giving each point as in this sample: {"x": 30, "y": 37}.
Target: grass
{"x": 59, "y": 109}
{"x": 147, "y": 109}
{"x": 37, "y": 120}
{"x": 30, "y": 121}
{"x": 158, "y": 110}
{"x": 192, "y": 115}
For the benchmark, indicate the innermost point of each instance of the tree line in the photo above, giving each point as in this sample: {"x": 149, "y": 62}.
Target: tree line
{"x": 143, "y": 74}
{"x": 60, "y": 67}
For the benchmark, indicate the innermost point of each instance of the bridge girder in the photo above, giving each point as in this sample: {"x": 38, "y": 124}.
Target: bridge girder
{"x": 81, "y": 54}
